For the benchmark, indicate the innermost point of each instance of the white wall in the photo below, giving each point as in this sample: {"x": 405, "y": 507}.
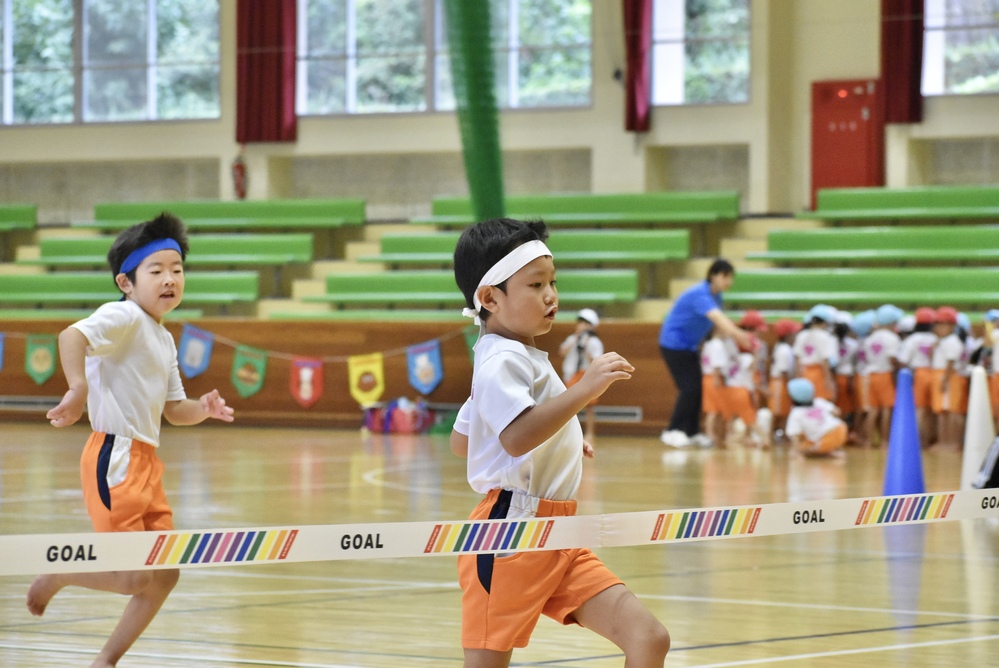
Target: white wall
{"x": 400, "y": 161}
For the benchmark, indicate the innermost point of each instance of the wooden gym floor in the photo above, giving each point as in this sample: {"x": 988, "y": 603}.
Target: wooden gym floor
{"x": 909, "y": 596}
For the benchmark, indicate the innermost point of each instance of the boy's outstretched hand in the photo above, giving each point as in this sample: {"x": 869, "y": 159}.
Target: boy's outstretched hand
{"x": 215, "y": 406}
{"x": 69, "y": 410}
{"x": 587, "y": 449}
{"x": 603, "y": 371}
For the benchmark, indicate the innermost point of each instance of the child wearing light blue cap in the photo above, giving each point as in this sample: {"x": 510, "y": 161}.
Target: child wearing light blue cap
{"x": 815, "y": 350}
{"x": 992, "y": 342}
{"x": 877, "y": 387}
{"x": 814, "y": 425}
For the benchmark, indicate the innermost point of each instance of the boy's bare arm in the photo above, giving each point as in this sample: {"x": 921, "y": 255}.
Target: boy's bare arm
{"x": 536, "y": 425}
{"x": 459, "y": 444}
{"x": 73, "y": 354}
{"x": 185, "y": 412}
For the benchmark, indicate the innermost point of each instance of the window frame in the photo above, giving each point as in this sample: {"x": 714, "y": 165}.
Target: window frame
{"x": 679, "y": 46}
{"x": 436, "y": 53}
{"x": 934, "y": 68}
{"x": 80, "y": 69}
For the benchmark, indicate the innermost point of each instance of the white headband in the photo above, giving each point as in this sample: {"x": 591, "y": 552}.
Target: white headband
{"x": 504, "y": 269}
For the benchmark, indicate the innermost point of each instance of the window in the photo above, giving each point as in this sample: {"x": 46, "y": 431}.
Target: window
{"x": 365, "y": 56}
{"x": 700, "y": 52}
{"x": 961, "y": 47}
{"x": 137, "y": 60}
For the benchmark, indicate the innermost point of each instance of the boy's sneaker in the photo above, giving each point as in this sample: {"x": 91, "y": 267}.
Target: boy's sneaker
{"x": 675, "y": 439}
{"x": 702, "y": 441}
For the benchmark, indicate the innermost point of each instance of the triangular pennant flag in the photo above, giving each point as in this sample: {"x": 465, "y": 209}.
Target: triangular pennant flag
{"x": 366, "y": 374}
{"x": 306, "y": 380}
{"x": 425, "y": 368}
{"x": 471, "y": 338}
{"x": 2, "y": 338}
{"x": 195, "y": 350}
{"x": 40, "y": 357}
{"x": 249, "y": 367}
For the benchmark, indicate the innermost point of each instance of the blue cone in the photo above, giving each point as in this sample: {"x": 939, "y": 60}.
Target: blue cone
{"x": 904, "y": 472}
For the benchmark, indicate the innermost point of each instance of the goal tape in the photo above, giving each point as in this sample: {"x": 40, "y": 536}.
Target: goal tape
{"x": 90, "y": 552}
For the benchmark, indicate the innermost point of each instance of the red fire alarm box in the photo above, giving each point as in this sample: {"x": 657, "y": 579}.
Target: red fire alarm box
{"x": 848, "y": 137}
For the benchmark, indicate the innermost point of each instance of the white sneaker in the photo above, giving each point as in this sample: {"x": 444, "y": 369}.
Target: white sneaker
{"x": 675, "y": 439}
{"x": 702, "y": 441}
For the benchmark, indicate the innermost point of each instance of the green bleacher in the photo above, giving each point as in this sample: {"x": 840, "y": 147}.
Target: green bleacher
{"x": 956, "y": 244}
{"x": 436, "y": 288}
{"x": 596, "y": 247}
{"x": 906, "y": 204}
{"x": 907, "y": 287}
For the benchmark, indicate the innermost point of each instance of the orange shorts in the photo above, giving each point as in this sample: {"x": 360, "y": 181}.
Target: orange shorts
{"x": 832, "y": 440}
{"x": 922, "y": 387}
{"x": 780, "y": 401}
{"x": 713, "y": 396}
{"x": 877, "y": 391}
{"x": 575, "y": 379}
{"x": 816, "y": 374}
{"x": 123, "y": 485}
{"x": 739, "y": 403}
{"x": 994, "y": 391}
{"x": 844, "y": 395}
{"x": 955, "y": 399}
{"x": 504, "y": 596}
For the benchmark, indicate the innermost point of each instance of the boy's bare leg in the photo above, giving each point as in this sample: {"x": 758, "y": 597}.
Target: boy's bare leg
{"x": 618, "y": 615}
{"x": 487, "y": 658}
{"x": 148, "y": 590}
{"x": 138, "y": 613}
{"x": 45, "y": 587}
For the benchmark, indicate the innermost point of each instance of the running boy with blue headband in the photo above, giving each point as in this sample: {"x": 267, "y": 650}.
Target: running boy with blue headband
{"x": 525, "y": 449}
{"x": 121, "y": 363}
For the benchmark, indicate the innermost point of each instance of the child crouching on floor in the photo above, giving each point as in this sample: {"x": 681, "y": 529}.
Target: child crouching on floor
{"x": 814, "y": 425}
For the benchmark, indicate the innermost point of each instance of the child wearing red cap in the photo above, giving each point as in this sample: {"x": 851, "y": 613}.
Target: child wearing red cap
{"x": 781, "y": 371}
{"x": 950, "y": 388}
{"x": 916, "y": 353}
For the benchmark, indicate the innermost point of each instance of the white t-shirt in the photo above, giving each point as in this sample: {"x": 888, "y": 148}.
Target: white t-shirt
{"x": 745, "y": 366}
{"x": 783, "y": 360}
{"x": 949, "y": 349}
{"x": 132, "y": 371}
{"x": 586, "y": 342}
{"x": 815, "y": 346}
{"x": 715, "y": 355}
{"x": 813, "y": 422}
{"x": 880, "y": 348}
{"x": 847, "y": 356}
{"x": 509, "y": 378}
{"x": 916, "y": 351}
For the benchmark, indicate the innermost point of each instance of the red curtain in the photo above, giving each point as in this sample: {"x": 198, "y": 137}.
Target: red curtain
{"x": 902, "y": 59}
{"x": 265, "y": 71}
{"x": 637, "y": 44}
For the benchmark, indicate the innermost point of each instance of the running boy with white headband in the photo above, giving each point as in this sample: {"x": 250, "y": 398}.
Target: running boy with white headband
{"x": 525, "y": 448}
{"x": 121, "y": 362}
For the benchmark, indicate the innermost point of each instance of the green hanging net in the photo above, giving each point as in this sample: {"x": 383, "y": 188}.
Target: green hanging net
{"x": 473, "y": 79}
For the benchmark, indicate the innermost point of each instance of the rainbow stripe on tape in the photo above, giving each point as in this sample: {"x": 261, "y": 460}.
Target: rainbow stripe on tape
{"x": 221, "y": 547}
{"x": 476, "y": 536}
{"x": 706, "y": 523}
{"x": 897, "y": 509}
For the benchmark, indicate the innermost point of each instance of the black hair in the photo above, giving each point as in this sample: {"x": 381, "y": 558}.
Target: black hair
{"x": 810, "y": 402}
{"x": 483, "y": 245}
{"x": 923, "y": 327}
{"x": 163, "y": 226}
{"x": 841, "y": 329}
{"x": 721, "y": 266}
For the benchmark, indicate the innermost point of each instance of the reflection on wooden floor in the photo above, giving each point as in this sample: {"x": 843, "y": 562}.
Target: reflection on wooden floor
{"x": 908, "y": 596}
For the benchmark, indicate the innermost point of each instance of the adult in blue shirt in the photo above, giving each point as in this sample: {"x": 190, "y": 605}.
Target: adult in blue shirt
{"x": 694, "y": 314}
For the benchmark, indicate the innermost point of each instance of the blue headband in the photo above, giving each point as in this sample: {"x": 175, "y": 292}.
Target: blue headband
{"x": 136, "y": 257}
